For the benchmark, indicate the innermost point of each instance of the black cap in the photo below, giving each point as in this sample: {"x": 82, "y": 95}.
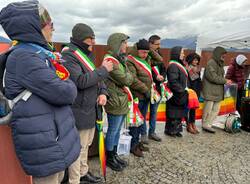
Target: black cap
{"x": 82, "y": 31}
{"x": 142, "y": 44}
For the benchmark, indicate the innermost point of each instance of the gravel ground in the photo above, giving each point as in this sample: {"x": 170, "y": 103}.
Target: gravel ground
{"x": 221, "y": 158}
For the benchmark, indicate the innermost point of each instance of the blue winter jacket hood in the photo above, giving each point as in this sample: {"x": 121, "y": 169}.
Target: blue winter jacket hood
{"x": 43, "y": 127}
{"x": 21, "y": 22}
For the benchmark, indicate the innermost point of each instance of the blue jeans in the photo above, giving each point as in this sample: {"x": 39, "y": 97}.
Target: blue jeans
{"x": 152, "y": 117}
{"x": 143, "y": 106}
{"x": 114, "y": 127}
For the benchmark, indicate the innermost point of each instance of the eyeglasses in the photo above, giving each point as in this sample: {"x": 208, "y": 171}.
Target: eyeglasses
{"x": 51, "y": 24}
{"x": 156, "y": 43}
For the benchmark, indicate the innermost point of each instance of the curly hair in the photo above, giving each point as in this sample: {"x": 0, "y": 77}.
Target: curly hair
{"x": 192, "y": 57}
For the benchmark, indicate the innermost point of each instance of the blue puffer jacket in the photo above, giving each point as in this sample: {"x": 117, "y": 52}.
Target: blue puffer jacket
{"x": 43, "y": 127}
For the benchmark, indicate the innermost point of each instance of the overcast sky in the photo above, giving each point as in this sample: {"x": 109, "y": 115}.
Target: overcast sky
{"x": 141, "y": 18}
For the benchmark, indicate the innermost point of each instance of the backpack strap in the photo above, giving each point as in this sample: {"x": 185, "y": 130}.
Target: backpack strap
{"x": 23, "y": 95}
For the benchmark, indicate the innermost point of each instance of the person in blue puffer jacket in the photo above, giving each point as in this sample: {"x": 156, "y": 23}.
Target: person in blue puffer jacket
{"x": 43, "y": 126}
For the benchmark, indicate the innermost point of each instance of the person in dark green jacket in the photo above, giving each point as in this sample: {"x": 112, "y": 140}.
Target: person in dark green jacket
{"x": 117, "y": 104}
{"x": 213, "y": 88}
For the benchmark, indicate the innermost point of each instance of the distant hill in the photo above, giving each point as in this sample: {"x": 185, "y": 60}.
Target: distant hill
{"x": 190, "y": 43}
{"x": 186, "y": 42}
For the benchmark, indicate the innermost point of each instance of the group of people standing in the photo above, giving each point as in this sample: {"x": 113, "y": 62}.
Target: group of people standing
{"x": 54, "y": 126}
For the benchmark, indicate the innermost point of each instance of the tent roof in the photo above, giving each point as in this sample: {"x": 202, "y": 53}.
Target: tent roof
{"x": 232, "y": 35}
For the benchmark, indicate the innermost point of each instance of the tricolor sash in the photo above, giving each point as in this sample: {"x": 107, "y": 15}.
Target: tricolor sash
{"x": 155, "y": 96}
{"x": 134, "y": 116}
{"x": 156, "y": 70}
{"x": 165, "y": 91}
{"x": 143, "y": 64}
{"x": 180, "y": 66}
{"x": 108, "y": 57}
{"x": 83, "y": 58}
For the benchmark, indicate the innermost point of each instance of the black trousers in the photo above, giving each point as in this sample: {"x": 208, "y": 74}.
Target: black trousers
{"x": 238, "y": 102}
{"x": 173, "y": 126}
{"x": 191, "y": 116}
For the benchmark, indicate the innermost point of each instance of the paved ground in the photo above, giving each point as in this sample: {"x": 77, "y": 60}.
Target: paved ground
{"x": 222, "y": 158}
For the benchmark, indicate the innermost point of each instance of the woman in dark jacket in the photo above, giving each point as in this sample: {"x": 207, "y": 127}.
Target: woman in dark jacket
{"x": 194, "y": 82}
{"x": 177, "y": 82}
{"x": 43, "y": 126}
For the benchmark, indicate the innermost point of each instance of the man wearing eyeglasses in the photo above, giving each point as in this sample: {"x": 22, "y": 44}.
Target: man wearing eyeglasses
{"x": 158, "y": 78}
{"x": 91, "y": 92}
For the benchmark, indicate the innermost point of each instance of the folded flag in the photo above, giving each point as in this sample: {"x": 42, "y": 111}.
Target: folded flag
{"x": 134, "y": 116}
{"x": 165, "y": 91}
{"x": 155, "y": 96}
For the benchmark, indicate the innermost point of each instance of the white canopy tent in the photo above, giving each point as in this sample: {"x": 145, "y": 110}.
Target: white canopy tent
{"x": 231, "y": 35}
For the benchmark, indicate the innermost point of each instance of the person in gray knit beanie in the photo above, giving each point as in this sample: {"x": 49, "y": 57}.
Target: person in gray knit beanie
{"x": 82, "y": 31}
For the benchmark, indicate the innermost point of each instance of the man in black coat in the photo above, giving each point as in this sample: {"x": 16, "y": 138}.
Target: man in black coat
{"x": 91, "y": 92}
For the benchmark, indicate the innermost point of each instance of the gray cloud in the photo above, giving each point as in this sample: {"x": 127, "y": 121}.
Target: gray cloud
{"x": 169, "y": 19}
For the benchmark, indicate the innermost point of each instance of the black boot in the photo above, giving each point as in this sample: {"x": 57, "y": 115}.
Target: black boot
{"x": 118, "y": 159}
{"x": 89, "y": 178}
{"x": 112, "y": 163}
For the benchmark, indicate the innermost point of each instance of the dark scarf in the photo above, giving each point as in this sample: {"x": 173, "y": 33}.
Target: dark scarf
{"x": 81, "y": 45}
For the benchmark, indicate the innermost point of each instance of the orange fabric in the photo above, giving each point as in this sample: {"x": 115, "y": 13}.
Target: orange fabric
{"x": 193, "y": 102}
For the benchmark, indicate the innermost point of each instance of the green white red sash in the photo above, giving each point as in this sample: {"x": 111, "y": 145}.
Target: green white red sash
{"x": 180, "y": 66}
{"x": 134, "y": 116}
{"x": 155, "y": 97}
{"x": 111, "y": 58}
{"x": 143, "y": 64}
{"x": 156, "y": 70}
{"x": 129, "y": 93}
{"x": 108, "y": 57}
{"x": 83, "y": 58}
{"x": 165, "y": 91}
